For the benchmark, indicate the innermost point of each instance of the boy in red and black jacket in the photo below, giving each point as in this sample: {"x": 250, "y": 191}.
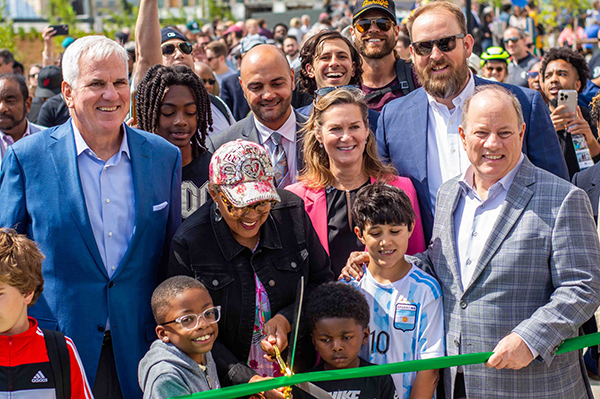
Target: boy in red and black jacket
{"x": 35, "y": 363}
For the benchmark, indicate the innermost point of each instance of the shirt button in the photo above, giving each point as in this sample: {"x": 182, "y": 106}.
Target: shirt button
{"x": 272, "y": 283}
{"x": 114, "y": 267}
{"x": 110, "y": 233}
{"x": 463, "y": 304}
{"x": 468, "y": 261}
{"x": 453, "y": 150}
{"x": 105, "y": 167}
{"x": 293, "y": 265}
{"x": 474, "y": 234}
{"x": 108, "y": 200}
{"x": 456, "y": 343}
{"x": 215, "y": 282}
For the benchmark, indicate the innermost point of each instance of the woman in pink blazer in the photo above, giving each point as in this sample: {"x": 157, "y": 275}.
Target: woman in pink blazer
{"x": 340, "y": 156}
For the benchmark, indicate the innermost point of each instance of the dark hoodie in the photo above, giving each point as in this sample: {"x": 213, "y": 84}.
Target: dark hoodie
{"x": 166, "y": 372}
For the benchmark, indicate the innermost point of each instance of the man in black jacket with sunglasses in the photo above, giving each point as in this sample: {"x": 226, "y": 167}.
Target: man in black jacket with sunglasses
{"x": 375, "y": 32}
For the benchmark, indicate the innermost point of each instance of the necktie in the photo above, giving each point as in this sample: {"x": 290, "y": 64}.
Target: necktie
{"x": 279, "y": 160}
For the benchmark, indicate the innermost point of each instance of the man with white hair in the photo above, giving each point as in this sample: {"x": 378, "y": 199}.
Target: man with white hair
{"x": 102, "y": 200}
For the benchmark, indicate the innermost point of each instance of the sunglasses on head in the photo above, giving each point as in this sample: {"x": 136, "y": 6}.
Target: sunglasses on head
{"x": 323, "y": 91}
{"x": 511, "y": 39}
{"x": 444, "y": 44}
{"x": 364, "y": 24}
{"x": 209, "y": 81}
{"x": 184, "y": 47}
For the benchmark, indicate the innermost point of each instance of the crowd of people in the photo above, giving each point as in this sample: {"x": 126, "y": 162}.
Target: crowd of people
{"x": 162, "y": 200}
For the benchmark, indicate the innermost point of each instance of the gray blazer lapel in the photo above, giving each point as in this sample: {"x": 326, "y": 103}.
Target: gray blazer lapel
{"x": 445, "y": 216}
{"x": 64, "y": 157}
{"x": 300, "y": 121}
{"x": 518, "y": 196}
{"x": 249, "y": 130}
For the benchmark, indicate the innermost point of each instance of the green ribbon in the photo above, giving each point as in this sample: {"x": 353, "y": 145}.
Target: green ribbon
{"x": 571, "y": 344}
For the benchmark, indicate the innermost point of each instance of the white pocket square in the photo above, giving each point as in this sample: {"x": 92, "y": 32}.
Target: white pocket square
{"x": 160, "y": 206}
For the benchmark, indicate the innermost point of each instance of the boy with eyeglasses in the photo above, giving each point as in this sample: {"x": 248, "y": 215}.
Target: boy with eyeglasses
{"x": 180, "y": 362}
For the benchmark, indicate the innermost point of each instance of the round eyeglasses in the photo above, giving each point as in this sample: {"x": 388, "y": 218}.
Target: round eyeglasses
{"x": 191, "y": 321}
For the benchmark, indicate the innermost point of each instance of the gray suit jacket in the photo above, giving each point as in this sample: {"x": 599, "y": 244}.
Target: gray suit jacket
{"x": 246, "y": 129}
{"x": 538, "y": 276}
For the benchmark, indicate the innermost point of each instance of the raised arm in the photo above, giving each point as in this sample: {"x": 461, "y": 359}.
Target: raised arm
{"x": 147, "y": 39}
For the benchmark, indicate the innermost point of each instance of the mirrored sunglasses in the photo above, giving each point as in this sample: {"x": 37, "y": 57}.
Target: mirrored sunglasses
{"x": 492, "y": 69}
{"x": 261, "y": 207}
{"x": 364, "y": 24}
{"x": 184, "y": 47}
{"x": 532, "y": 75}
{"x": 445, "y": 44}
{"x": 511, "y": 39}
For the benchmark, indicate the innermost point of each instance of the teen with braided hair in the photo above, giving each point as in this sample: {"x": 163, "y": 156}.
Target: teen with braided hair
{"x": 173, "y": 103}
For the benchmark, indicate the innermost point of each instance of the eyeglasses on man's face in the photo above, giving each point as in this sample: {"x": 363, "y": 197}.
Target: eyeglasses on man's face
{"x": 190, "y": 321}
{"x": 444, "y": 44}
{"x": 169, "y": 48}
{"x": 364, "y": 24}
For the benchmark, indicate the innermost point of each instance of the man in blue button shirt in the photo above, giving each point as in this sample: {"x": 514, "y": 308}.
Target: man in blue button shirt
{"x": 102, "y": 201}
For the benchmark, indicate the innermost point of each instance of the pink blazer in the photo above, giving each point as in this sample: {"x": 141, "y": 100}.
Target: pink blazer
{"x": 315, "y": 204}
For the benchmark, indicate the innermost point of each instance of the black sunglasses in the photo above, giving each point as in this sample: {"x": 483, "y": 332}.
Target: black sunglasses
{"x": 209, "y": 81}
{"x": 364, "y": 24}
{"x": 445, "y": 44}
{"x": 184, "y": 47}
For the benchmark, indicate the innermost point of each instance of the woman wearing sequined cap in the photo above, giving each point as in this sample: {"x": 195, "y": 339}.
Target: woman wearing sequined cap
{"x": 249, "y": 245}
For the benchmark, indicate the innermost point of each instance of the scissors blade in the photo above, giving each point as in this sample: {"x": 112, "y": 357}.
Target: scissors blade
{"x": 296, "y": 323}
{"x": 314, "y": 390}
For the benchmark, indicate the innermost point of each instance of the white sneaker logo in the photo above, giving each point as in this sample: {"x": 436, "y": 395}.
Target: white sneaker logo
{"x": 39, "y": 377}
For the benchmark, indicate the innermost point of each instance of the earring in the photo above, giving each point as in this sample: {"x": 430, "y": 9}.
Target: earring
{"x": 218, "y": 215}
{"x": 166, "y": 340}
{"x": 320, "y": 145}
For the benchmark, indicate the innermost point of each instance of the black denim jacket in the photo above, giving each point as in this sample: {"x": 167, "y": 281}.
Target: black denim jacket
{"x": 205, "y": 249}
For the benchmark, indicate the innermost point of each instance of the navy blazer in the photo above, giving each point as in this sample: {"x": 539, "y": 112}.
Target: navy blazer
{"x": 402, "y": 139}
{"x": 589, "y": 181}
{"x": 233, "y": 95}
{"x": 42, "y": 196}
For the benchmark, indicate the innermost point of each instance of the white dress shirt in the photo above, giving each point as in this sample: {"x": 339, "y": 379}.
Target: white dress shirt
{"x": 288, "y": 135}
{"x": 446, "y": 157}
{"x": 474, "y": 221}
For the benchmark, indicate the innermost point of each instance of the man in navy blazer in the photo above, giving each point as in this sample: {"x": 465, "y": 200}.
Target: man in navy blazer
{"x": 418, "y": 133}
{"x": 102, "y": 201}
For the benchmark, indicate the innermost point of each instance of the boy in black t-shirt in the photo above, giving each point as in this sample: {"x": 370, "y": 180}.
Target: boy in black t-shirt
{"x": 338, "y": 318}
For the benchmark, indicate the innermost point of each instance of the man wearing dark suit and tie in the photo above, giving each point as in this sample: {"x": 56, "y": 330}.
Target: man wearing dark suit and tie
{"x": 102, "y": 201}
{"x": 268, "y": 83}
{"x": 418, "y": 133}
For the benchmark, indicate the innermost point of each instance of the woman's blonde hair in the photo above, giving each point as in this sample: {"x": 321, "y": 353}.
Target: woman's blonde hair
{"x": 316, "y": 173}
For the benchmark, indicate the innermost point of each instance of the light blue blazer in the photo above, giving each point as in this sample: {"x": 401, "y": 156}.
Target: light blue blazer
{"x": 41, "y": 195}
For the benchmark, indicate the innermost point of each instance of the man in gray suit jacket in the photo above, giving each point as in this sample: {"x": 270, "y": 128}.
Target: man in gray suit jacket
{"x": 268, "y": 83}
{"x": 516, "y": 253}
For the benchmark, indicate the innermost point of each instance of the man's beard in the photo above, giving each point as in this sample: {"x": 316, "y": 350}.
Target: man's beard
{"x": 445, "y": 87}
{"x": 388, "y": 47}
{"x": 553, "y": 102}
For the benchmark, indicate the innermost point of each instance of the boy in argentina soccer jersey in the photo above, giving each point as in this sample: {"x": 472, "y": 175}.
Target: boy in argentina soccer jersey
{"x": 407, "y": 321}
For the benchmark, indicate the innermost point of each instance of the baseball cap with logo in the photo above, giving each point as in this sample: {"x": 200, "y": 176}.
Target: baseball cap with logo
{"x": 170, "y": 33}
{"x": 49, "y": 81}
{"x": 243, "y": 172}
{"x": 193, "y": 26}
{"x": 387, "y": 6}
